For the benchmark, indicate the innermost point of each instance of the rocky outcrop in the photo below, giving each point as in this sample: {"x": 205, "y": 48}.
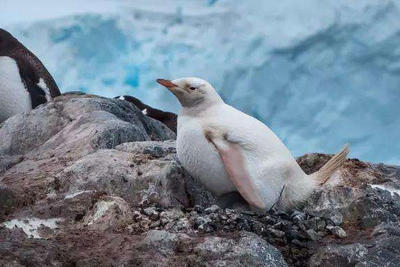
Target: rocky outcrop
{"x": 86, "y": 181}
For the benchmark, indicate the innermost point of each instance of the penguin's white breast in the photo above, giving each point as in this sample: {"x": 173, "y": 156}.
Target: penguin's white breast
{"x": 200, "y": 158}
{"x": 14, "y": 98}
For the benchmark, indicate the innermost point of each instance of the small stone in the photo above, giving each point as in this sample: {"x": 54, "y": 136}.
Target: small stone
{"x": 294, "y": 234}
{"x": 201, "y": 222}
{"x": 321, "y": 224}
{"x": 298, "y": 216}
{"x": 155, "y": 224}
{"x": 137, "y": 216}
{"x": 337, "y": 231}
{"x": 276, "y": 233}
{"x": 198, "y": 208}
{"x": 313, "y": 223}
{"x": 233, "y": 216}
{"x": 283, "y": 225}
{"x": 182, "y": 224}
{"x": 258, "y": 227}
{"x": 193, "y": 213}
{"x": 145, "y": 223}
{"x": 336, "y": 217}
{"x": 212, "y": 209}
{"x": 229, "y": 211}
{"x": 313, "y": 235}
{"x": 299, "y": 243}
{"x": 223, "y": 217}
{"x": 170, "y": 215}
{"x": 152, "y": 213}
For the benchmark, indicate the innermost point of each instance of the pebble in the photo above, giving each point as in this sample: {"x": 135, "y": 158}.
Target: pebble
{"x": 198, "y": 208}
{"x": 337, "y": 231}
{"x": 152, "y": 213}
{"x": 336, "y": 217}
{"x": 276, "y": 233}
{"x": 298, "y": 216}
{"x": 313, "y": 235}
{"x": 212, "y": 209}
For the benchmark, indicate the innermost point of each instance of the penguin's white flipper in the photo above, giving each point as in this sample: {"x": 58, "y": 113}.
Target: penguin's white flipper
{"x": 233, "y": 160}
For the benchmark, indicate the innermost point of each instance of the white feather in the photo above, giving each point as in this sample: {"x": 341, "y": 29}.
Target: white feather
{"x": 14, "y": 98}
{"x": 42, "y": 84}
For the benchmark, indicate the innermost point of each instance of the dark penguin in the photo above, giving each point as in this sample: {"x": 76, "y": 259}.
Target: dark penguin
{"x": 168, "y": 118}
{"x": 24, "y": 82}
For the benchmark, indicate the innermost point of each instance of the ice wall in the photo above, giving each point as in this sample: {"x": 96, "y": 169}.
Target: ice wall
{"x": 319, "y": 73}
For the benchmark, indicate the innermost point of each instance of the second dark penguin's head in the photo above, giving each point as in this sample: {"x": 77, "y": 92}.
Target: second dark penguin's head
{"x": 7, "y": 42}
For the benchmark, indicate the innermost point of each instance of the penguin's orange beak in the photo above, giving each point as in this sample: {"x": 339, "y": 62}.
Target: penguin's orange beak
{"x": 166, "y": 83}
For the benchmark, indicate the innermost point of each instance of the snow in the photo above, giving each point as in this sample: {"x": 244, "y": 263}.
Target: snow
{"x": 320, "y": 74}
{"x": 77, "y": 193}
{"x": 101, "y": 208}
{"x": 31, "y": 225}
{"x": 391, "y": 190}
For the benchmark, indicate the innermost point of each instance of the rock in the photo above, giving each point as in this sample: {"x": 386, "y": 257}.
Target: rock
{"x": 313, "y": 235}
{"x": 152, "y": 213}
{"x": 337, "y": 231}
{"x": 162, "y": 248}
{"x": 254, "y": 251}
{"x": 162, "y": 241}
{"x": 8, "y": 201}
{"x": 249, "y": 250}
{"x": 170, "y": 215}
{"x": 340, "y": 255}
{"x": 108, "y": 212}
{"x": 212, "y": 209}
{"x": 135, "y": 178}
{"x": 85, "y": 177}
{"x": 82, "y": 122}
{"x": 52, "y": 137}
{"x": 276, "y": 233}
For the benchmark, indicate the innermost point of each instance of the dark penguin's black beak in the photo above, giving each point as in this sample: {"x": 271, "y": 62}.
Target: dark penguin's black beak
{"x": 166, "y": 83}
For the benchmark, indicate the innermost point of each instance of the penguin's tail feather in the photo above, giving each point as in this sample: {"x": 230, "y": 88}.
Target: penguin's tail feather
{"x": 323, "y": 174}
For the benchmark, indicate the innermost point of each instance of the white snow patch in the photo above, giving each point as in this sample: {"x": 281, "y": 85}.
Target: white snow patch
{"x": 72, "y": 195}
{"x": 386, "y": 188}
{"x": 31, "y": 225}
{"x": 122, "y": 97}
{"x": 101, "y": 209}
{"x": 144, "y": 111}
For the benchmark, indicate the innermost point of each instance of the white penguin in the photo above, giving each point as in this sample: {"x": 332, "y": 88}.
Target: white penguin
{"x": 229, "y": 150}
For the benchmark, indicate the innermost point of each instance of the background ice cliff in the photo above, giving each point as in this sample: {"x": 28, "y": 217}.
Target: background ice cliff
{"x": 319, "y": 73}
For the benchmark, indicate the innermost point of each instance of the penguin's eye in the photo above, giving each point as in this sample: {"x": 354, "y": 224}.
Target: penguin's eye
{"x": 192, "y": 88}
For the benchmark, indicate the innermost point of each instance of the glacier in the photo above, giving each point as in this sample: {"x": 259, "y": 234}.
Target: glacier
{"x": 319, "y": 73}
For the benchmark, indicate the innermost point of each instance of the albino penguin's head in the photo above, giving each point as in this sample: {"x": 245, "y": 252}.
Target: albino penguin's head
{"x": 192, "y": 92}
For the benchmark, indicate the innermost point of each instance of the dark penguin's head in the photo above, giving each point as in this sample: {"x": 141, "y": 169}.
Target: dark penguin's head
{"x": 168, "y": 118}
{"x": 34, "y": 75}
{"x": 7, "y": 42}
